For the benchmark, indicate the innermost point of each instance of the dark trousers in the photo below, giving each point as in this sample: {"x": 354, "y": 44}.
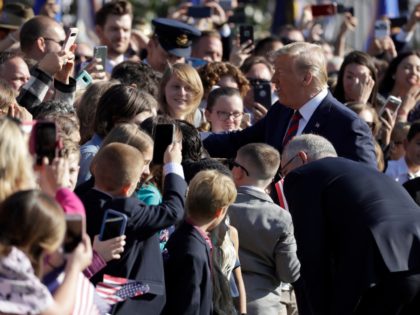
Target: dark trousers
{"x": 397, "y": 294}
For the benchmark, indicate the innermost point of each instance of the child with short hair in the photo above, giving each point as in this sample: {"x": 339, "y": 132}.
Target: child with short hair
{"x": 117, "y": 169}
{"x": 407, "y": 167}
{"x": 188, "y": 272}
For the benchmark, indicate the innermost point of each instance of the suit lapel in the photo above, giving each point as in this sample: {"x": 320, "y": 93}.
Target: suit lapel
{"x": 319, "y": 117}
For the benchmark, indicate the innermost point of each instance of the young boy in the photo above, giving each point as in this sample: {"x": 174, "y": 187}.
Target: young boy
{"x": 267, "y": 246}
{"x": 188, "y": 264}
{"x": 407, "y": 167}
{"x": 117, "y": 169}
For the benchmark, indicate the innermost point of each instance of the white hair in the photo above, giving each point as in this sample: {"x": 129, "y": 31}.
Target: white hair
{"x": 307, "y": 58}
{"x": 315, "y": 147}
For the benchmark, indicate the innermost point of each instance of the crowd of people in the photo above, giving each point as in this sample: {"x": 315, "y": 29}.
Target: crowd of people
{"x": 289, "y": 185}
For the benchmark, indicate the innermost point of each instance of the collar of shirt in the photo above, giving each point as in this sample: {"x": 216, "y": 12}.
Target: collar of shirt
{"x": 309, "y": 108}
{"x": 201, "y": 231}
{"x": 111, "y": 63}
{"x": 255, "y": 188}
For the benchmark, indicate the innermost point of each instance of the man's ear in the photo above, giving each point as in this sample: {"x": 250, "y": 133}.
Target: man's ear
{"x": 303, "y": 156}
{"x": 307, "y": 79}
{"x": 40, "y": 44}
{"x": 220, "y": 212}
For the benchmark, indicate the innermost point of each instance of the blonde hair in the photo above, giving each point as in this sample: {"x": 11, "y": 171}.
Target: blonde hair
{"x": 15, "y": 161}
{"x": 208, "y": 192}
{"x": 307, "y": 57}
{"x": 117, "y": 165}
{"x": 189, "y": 75}
{"x": 33, "y": 222}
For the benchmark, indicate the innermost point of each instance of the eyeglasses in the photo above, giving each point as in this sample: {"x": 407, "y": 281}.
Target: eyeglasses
{"x": 232, "y": 163}
{"x": 226, "y": 115}
{"x": 282, "y": 168}
{"x": 61, "y": 42}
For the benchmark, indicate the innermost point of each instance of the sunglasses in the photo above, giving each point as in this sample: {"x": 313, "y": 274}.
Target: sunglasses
{"x": 232, "y": 163}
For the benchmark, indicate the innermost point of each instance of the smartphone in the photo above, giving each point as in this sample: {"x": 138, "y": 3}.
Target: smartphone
{"x": 262, "y": 94}
{"x": 113, "y": 225}
{"x": 84, "y": 79}
{"x": 200, "y": 11}
{"x": 75, "y": 228}
{"x": 246, "y": 33}
{"x": 392, "y": 104}
{"x": 382, "y": 29}
{"x": 164, "y": 136}
{"x": 70, "y": 39}
{"x": 101, "y": 52}
{"x": 324, "y": 9}
{"x": 43, "y": 141}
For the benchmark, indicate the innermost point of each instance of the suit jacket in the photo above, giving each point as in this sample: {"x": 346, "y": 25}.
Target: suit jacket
{"x": 350, "y": 135}
{"x": 188, "y": 274}
{"x": 141, "y": 259}
{"x": 353, "y": 226}
{"x": 267, "y": 246}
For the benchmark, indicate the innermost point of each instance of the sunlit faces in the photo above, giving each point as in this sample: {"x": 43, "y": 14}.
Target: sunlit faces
{"x": 54, "y": 38}
{"x": 354, "y": 74}
{"x": 287, "y": 81}
{"x": 15, "y": 72}
{"x": 158, "y": 58}
{"x": 179, "y": 97}
{"x": 226, "y": 114}
{"x": 73, "y": 161}
{"x": 115, "y": 34}
{"x": 408, "y": 72}
{"x": 209, "y": 48}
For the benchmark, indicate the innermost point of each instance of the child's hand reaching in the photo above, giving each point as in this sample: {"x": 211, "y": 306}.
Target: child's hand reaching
{"x": 173, "y": 153}
{"x": 109, "y": 249}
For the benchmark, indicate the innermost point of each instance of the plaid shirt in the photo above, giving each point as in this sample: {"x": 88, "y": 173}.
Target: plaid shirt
{"x": 35, "y": 90}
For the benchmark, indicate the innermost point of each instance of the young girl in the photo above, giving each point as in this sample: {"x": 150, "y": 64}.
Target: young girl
{"x": 225, "y": 110}
{"x": 180, "y": 92}
{"x": 41, "y": 225}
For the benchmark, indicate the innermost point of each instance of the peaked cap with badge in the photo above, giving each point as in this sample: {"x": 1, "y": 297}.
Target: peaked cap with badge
{"x": 174, "y": 36}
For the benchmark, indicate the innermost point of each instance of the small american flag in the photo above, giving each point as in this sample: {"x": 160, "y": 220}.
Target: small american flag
{"x": 114, "y": 289}
{"x": 280, "y": 194}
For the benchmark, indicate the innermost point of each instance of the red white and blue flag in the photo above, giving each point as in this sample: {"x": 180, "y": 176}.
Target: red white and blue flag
{"x": 114, "y": 289}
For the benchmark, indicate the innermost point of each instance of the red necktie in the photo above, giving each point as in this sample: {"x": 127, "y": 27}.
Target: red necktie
{"x": 293, "y": 127}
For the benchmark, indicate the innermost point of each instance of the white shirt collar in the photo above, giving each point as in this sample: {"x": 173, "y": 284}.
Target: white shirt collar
{"x": 309, "y": 108}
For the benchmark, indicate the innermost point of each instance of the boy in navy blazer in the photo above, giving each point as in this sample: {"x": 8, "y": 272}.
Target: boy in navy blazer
{"x": 117, "y": 169}
{"x": 188, "y": 273}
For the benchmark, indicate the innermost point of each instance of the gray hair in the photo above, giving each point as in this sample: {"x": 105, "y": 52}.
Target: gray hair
{"x": 307, "y": 58}
{"x": 315, "y": 147}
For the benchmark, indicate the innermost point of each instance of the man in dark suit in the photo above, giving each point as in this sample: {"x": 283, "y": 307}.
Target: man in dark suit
{"x": 305, "y": 106}
{"x": 357, "y": 232}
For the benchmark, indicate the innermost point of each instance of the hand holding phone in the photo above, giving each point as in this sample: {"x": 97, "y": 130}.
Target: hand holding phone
{"x": 200, "y": 12}
{"x": 324, "y": 9}
{"x": 70, "y": 39}
{"x": 262, "y": 94}
{"x": 246, "y": 33}
{"x": 392, "y": 104}
{"x": 101, "y": 52}
{"x": 75, "y": 229}
{"x": 43, "y": 141}
{"x": 163, "y": 137}
{"x": 382, "y": 29}
{"x": 113, "y": 225}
